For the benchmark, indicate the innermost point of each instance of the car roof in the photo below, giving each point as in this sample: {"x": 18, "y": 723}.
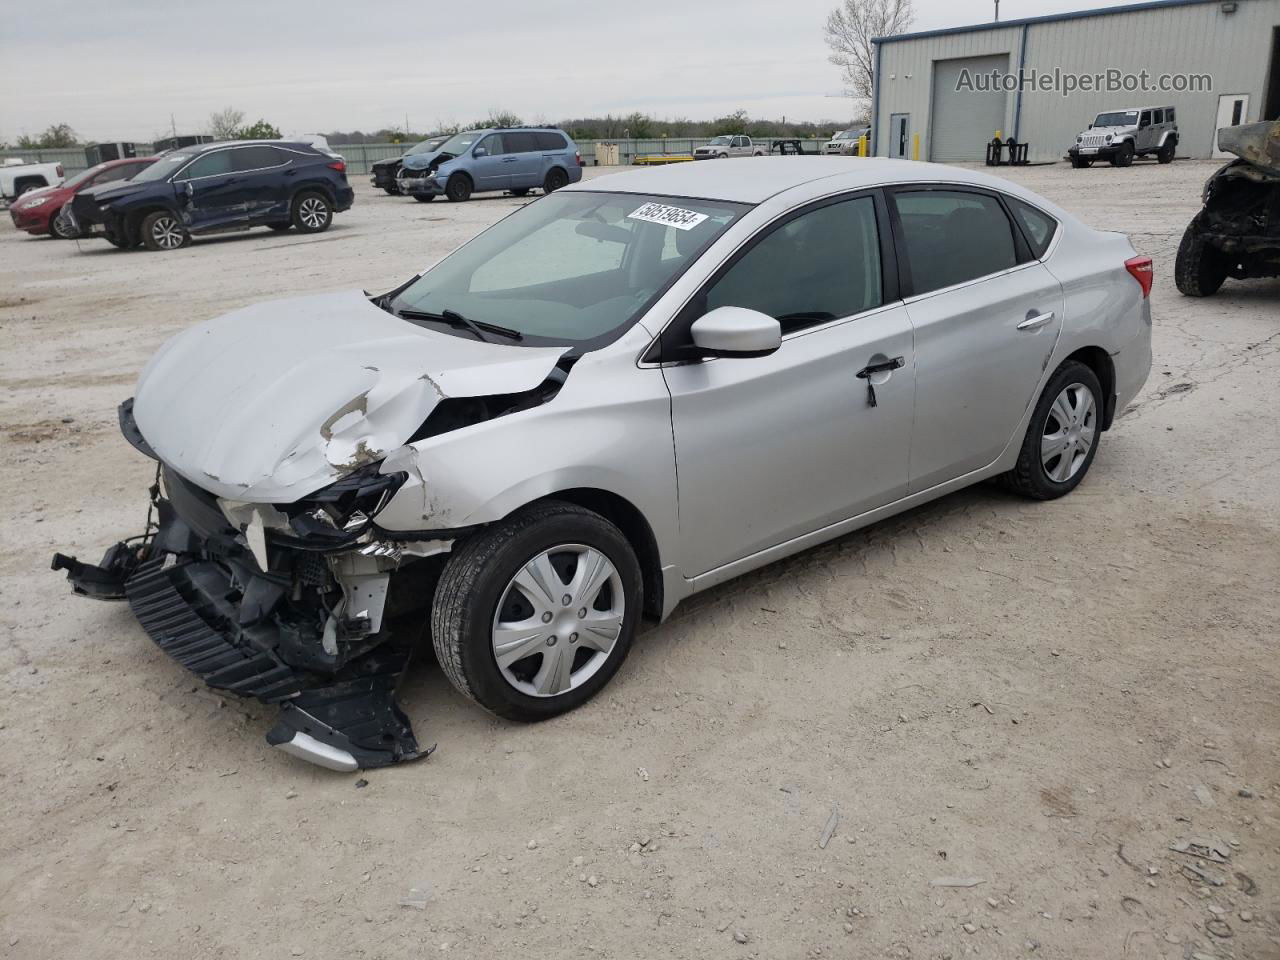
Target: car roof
{"x": 206, "y": 147}
{"x": 756, "y": 179}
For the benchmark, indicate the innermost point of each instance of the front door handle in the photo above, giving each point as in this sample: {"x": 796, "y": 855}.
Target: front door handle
{"x": 1036, "y": 320}
{"x": 510, "y": 159}
{"x": 883, "y": 366}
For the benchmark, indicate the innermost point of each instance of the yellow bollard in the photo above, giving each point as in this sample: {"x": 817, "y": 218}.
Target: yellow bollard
{"x": 998, "y": 137}
{"x": 862, "y": 145}
{"x": 915, "y": 146}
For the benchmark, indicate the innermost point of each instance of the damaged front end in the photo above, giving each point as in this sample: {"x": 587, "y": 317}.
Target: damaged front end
{"x": 290, "y": 604}
{"x": 1241, "y": 215}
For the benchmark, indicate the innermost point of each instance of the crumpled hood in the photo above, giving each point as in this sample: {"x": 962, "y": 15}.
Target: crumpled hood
{"x": 421, "y": 161}
{"x": 273, "y": 402}
{"x": 106, "y": 192}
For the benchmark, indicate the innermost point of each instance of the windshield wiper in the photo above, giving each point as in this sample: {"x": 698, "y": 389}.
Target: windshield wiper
{"x": 455, "y": 319}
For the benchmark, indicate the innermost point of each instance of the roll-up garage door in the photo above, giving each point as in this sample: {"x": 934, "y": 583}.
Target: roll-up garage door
{"x": 964, "y": 121}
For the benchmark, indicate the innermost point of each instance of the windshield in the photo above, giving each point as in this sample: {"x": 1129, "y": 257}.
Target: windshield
{"x": 427, "y": 146}
{"x": 1117, "y": 119}
{"x": 458, "y": 143}
{"x": 573, "y": 267}
{"x": 844, "y": 135}
{"x": 720, "y": 141}
{"x": 83, "y": 175}
{"x": 163, "y": 168}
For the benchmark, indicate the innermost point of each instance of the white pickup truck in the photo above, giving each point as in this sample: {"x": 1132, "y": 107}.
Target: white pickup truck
{"x": 18, "y": 176}
{"x": 734, "y": 145}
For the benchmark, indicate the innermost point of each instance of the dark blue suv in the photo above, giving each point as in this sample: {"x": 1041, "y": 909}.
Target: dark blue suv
{"x": 217, "y": 187}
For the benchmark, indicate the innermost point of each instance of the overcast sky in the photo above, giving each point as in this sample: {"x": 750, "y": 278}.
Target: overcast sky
{"x": 117, "y": 69}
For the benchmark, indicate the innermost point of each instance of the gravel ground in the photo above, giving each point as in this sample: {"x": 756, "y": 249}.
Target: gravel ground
{"x": 1040, "y": 697}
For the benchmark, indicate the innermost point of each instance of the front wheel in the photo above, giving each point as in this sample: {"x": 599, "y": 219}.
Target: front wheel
{"x": 60, "y": 228}
{"x": 458, "y": 189}
{"x": 534, "y": 615}
{"x": 1200, "y": 268}
{"x": 1081, "y": 163}
{"x": 312, "y": 212}
{"x": 161, "y": 230}
{"x": 1062, "y": 437}
{"x": 1124, "y": 156}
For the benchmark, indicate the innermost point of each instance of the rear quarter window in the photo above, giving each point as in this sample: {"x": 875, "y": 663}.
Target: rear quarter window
{"x": 1037, "y": 226}
{"x": 550, "y": 142}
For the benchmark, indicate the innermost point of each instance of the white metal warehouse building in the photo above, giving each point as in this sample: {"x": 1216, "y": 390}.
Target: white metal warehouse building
{"x": 1235, "y": 42}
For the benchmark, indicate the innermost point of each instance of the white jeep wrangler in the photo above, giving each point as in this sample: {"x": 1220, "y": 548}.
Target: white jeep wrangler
{"x": 1121, "y": 135}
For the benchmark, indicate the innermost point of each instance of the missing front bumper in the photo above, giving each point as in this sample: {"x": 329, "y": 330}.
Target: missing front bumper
{"x": 190, "y": 606}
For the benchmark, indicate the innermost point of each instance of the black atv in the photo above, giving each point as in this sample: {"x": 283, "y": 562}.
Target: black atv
{"x": 1237, "y": 233}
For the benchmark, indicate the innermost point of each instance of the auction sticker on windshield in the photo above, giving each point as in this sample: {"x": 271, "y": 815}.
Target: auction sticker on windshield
{"x": 676, "y": 217}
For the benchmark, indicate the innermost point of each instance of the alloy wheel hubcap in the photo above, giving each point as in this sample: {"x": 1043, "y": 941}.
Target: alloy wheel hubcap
{"x": 558, "y": 620}
{"x": 167, "y": 233}
{"x": 1069, "y": 432}
{"x": 312, "y": 212}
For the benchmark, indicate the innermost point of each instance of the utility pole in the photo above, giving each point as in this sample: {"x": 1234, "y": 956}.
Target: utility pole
{"x": 172, "y": 125}
{"x": 997, "y": 11}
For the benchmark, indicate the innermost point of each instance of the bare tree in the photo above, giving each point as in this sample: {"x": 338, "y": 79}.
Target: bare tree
{"x": 225, "y": 124}
{"x": 849, "y": 31}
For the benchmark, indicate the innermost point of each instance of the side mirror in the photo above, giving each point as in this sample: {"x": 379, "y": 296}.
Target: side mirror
{"x": 736, "y": 332}
{"x": 479, "y": 152}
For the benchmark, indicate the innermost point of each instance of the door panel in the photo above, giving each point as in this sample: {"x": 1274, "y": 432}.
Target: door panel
{"x": 976, "y": 370}
{"x": 770, "y": 448}
{"x": 524, "y": 160}
{"x": 216, "y": 197}
{"x": 492, "y": 172}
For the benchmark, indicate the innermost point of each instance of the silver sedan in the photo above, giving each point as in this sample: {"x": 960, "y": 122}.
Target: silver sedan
{"x": 625, "y": 392}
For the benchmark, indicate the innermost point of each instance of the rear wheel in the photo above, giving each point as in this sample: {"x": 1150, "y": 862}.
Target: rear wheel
{"x": 458, "y": 189}
{"x": 1062, "y": 437}
{"x": 1124, "y": 156}
{"x": 556, "y": 178}
{"x": 1165, "y": 153}
{"x": 161, "y": 230}
{"x": 1200, "y": 269}
{"x": 534, "y": 615}
{"x": 312, "y": 212}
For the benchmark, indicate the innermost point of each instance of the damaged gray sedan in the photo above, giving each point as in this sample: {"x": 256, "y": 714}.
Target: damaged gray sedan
{"x": 623, "y": 393}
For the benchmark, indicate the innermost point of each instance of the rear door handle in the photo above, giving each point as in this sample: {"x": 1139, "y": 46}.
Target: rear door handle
{"x": 1035, "y": 320}
{"x": 883, "y": 366}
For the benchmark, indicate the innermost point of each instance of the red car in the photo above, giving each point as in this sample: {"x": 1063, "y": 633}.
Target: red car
{"x": 36, "y": 211}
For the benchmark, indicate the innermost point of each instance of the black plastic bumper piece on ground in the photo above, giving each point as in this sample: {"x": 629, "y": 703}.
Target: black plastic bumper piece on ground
{"x": 105, "y": 581}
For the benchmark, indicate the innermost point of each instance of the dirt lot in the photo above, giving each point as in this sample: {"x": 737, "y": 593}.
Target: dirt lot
{"x": 1044, "y": 697}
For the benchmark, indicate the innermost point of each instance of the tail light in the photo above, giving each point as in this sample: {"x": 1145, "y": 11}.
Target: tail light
{"x": 59, "y": 169}
{"x": 578, "y": 156}
{"x": 1141, "y": 270}
{"x": 339, "y": 165}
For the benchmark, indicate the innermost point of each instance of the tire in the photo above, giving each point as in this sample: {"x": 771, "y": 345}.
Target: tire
{"x": 58, "y": 228}
{"x": 390, "y": 191}
{"x": 163, "y": 231}
{"x": 1165, "y": 153}
{"x": 477, "y": 587}
{"x": 722, "y": 156}
{"x": 458, "y": 189}
{"x": 555, "y": 179}
{"x": 1042, "y": 477}
{"x": 1124, "y": 156}
{"x": 311, "y": 212}
{"x": 424, "y": 197}
{"x": 279, "y": 227}
{"x": 1200, "y": 268}
{"x": 1081, "y": 163}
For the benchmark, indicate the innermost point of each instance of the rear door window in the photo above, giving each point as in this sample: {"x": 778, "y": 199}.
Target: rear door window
{"x": 820, "y": 266}
{"x": 953, "y": 236}
{"x": 521, "y": 142}
{"x": 256, "y": 158}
